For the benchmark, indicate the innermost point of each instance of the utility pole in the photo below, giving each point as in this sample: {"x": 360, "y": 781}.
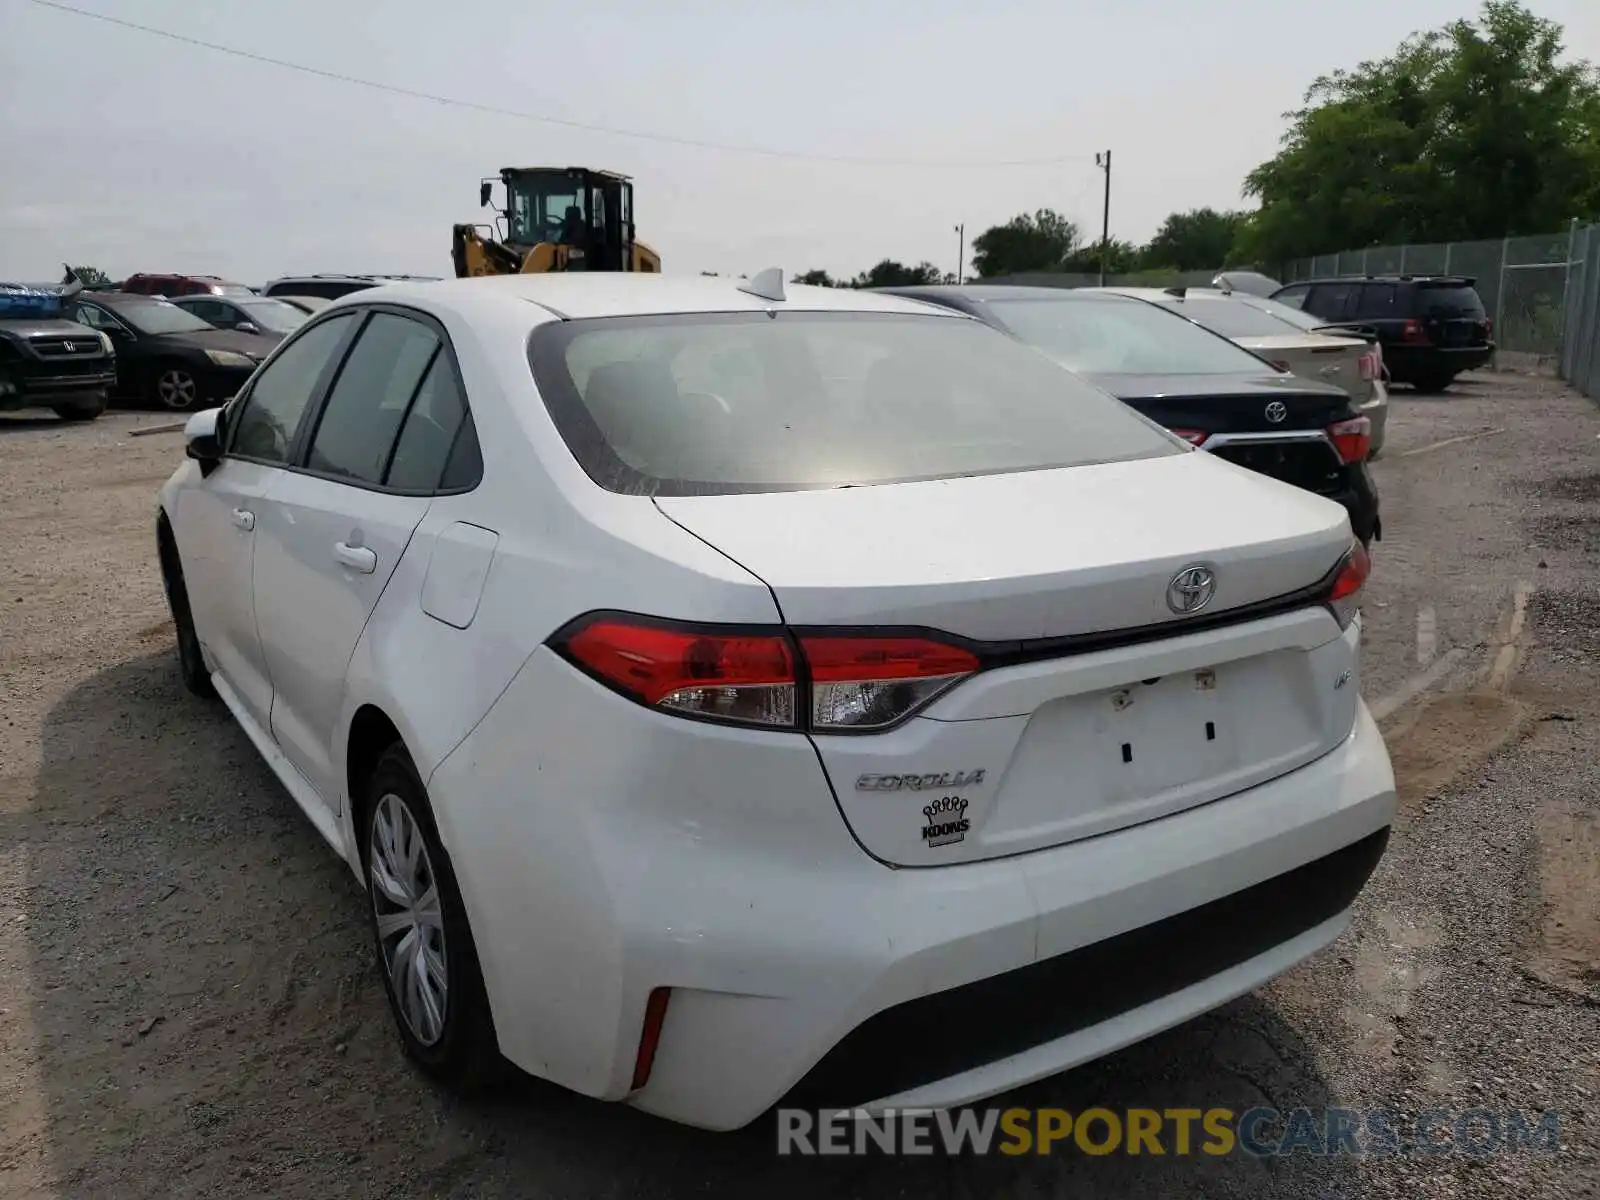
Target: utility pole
{"x": 961, "y": 250}
{"x": 1103, "y": 161}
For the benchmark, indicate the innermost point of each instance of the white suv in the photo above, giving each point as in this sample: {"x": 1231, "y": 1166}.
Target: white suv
{"x": 727, "y": 694}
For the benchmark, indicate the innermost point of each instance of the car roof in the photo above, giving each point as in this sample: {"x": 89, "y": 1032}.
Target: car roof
{"x": 621, "y": 294}
{"x": 994, "y": 291}
{"x": 1435, "y": 280}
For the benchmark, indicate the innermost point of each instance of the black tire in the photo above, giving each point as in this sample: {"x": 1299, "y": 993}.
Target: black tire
{"x": 191, "y": 663}
{"x": 175, "y": 386}
{"x": 1431, "y": 385}
{"x": 463, "y": 1053}
{"x": 82, "y": 410}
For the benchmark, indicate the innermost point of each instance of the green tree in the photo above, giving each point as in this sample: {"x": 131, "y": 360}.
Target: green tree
{"x": 1479, "y": 129}
{"x": 1121, "y": 258}
{"x": 1039, "y": 241}
{"x": 816, "y": 277}
{"x": 1197, "y": 240}
{"x": 890, "y": 273}
{"x": 89, "y": 276}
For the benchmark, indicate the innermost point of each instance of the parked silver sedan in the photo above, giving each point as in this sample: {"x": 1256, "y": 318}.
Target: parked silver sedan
{"x": 1291, "y": 340}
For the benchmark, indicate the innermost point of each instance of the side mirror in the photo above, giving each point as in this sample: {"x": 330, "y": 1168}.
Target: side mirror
{"x": 247, "y": 327}
{"x": 201, "y": 440}
{"x": 485, "y": 190}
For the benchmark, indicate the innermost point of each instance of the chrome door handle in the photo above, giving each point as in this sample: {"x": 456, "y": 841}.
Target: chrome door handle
{"x": 357, "y": 558}
{"x": 244, "y": 518}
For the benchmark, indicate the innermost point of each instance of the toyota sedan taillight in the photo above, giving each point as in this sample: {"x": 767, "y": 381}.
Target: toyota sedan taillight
{"x": 851, "y": 682}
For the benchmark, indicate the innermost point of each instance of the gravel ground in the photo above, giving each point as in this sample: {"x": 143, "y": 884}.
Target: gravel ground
{"x": 187, "y": 1006}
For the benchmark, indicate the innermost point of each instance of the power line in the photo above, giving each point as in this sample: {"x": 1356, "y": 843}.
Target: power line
{"x": 496, "y": 110}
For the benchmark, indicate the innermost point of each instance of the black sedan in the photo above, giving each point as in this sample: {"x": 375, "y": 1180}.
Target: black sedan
{"x": 167, "y": 356}
{"x": 1200, "y": 385}
{"x": 247, "y": 314}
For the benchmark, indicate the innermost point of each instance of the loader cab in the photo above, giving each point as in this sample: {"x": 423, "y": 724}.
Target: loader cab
{"x": 589, "y": 212}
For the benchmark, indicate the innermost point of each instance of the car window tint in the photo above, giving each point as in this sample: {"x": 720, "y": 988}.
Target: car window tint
{"x": 281, "y": 391}
{"x": 369, "y": 400}
{"x": 95, "y": 318}
{"x": 429, "y": 432}
{"x": 1377, "y": 300}
{"x": 465, "y": 467}
{"x": 1448, "y": 302}
{"x": 1331, "y": 300}
{"x": 1294, "y": 297}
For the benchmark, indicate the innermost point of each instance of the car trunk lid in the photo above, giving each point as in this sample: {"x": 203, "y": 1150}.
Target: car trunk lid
{"x": 1098, "y": 705}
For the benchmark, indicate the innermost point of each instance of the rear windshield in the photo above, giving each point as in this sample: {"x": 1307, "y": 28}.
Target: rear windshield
{"x": 1121, "y": 336}
{"x": 1449, "y": 302}
{"x": 1230, "y": 318}
{"x": 724, "y": 403}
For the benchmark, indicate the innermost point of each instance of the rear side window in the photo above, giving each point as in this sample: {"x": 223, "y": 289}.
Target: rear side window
{"x": 369, "y": 400}
{"x": 1450, "y": 302}
{"x": 437, "y": 422}
{"x": 1332, "y": 301}
{"x": 282, "y": 390}
{"x": 711, "y": 404}
{"x": 1379, "y": 301}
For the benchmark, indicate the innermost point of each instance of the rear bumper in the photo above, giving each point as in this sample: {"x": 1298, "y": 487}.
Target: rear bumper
{"x": 1408, "y": 363}
{"x": 713, "y": 861}
{"x": 1360, "y": 500}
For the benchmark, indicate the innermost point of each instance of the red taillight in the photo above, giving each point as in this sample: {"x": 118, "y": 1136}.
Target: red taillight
{"x": 1344, "y": 598}
{"x": 746, "y": 677}
{"x": 870, "y": 682}
{"x": 1352, "y": 439}
{"x": 1371, "y": 362}
{"x": 1195, "y": 437}
{"x": 1488, "y": 327}
{"x": 655, "y": 1015}
{"x": 855, "y": 681}
{"x": 1414, "y": 332}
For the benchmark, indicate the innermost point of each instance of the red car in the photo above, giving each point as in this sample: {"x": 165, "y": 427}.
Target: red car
{"x": 144, "y": 284}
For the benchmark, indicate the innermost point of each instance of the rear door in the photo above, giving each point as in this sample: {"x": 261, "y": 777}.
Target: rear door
{"x": 1452, "y": 314}
{"x": 330, "y": 540}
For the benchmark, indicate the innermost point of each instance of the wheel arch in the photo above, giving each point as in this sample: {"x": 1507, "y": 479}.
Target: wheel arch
{"x": 372, "y": 731}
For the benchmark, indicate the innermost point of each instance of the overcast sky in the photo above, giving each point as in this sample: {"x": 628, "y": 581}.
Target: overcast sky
{"x": 130, "y": 152}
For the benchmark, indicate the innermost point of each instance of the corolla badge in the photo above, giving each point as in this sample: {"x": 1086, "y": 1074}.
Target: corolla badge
{"x": 1191, "y": 589}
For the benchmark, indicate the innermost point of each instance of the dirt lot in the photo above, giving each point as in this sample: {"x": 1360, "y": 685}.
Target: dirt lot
{"x": 187, "y": 1006}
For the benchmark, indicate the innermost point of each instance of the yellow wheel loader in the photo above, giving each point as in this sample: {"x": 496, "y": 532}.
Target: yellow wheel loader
{"x": 554, "y": 219}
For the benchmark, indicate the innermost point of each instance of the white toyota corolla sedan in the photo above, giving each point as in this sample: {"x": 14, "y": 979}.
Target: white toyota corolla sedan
{"x": 728, "y": 696}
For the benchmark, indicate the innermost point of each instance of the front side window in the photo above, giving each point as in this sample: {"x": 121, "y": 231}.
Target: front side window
{"x": 282, "y": 390}
{"x": 272, "y": 316}
{"x": 381, "y": 374}
{"x": 1122, "y": 337}
{"x": 724, "y": 403}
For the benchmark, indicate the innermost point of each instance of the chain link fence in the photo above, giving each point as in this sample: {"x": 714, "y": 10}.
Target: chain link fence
{"x": 1523, "y": 280}
{"x": 1580, "y": 341}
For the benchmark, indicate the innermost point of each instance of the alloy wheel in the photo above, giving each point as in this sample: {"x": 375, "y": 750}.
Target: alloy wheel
{"x": 176, "y": 389}
{"x": 409, "y": 917}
